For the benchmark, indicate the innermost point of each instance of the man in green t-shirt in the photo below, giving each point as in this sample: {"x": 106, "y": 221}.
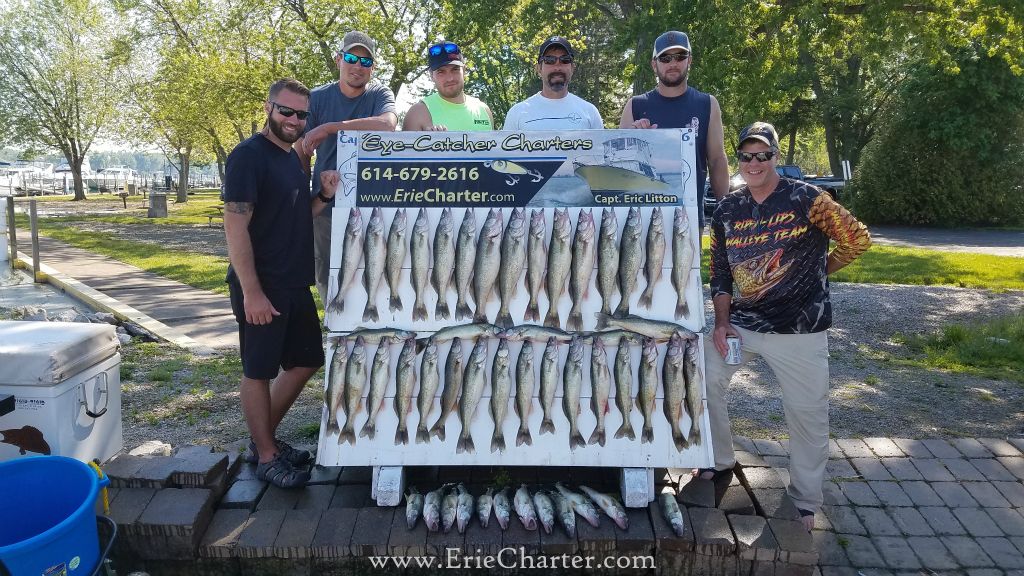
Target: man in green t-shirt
{"x": 450, "y": 108}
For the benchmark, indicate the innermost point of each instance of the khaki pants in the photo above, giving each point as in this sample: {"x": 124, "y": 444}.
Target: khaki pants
{"x": 322, "y": 252}
{"x": 800, "y": 362}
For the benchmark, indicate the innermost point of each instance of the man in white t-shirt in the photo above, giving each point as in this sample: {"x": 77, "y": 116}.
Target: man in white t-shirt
{"x": 554, "y": 107}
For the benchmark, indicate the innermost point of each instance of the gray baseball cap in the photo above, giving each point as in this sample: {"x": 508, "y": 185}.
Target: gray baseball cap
{"x": 761, "y": 131}
{"x": 357, "y": 38}
{"x": 670, "y": 40}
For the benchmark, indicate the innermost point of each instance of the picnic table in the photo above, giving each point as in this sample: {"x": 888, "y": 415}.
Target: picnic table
{"x": 214, "y": 212}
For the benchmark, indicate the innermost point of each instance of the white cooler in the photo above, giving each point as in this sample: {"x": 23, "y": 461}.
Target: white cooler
{"x": 66, "y": 381}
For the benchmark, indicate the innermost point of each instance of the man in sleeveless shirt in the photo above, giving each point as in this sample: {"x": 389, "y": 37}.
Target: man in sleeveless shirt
{"x": 674, "y": 104}
{"x": 554, "y": 107}
{"x": 449, "y": 108}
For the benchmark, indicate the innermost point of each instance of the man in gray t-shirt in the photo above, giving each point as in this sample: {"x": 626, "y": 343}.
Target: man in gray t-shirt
{"x": 354, "y": 102}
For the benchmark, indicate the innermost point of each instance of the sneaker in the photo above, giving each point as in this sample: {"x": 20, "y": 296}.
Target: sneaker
{"x": 281, "y": 473}
{"x": 294, "y": 456}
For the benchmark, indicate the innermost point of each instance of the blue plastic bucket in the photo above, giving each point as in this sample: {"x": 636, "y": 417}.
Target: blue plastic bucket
{"x": 47, "y": 504}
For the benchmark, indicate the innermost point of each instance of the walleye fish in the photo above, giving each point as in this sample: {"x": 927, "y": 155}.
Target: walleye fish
{"x": 565, "y": 514}
{"x": 472, "y": 388}
{"x": 449, "y": 509}
{"x": 465, "y": 257}
{"x": 352, "y": 253}
{"x": 548, "y": 385}
{"x": 501, "y": 386}
{"x": 545, "y": 510}
{"x": 559, "y": 262}
{"x": 378, "y": 385}
{"x": 444, "y": 262}
{"x": 524, "y": 508}
{"x": 334, "y": 393}
{"x": 463, "y": 508}
{"x": 673, "y": 515}
{"x": 656, "y": 329}
{"x": 413, "y": 507}
{"x": 429, "y": 380}
{"x": 601, "y": 385}
{"x": 610, "y": 505}
{"x": 572, "y": 383}
{"x": 581, "y": 505}
{"x": 483, "y": 507}
{"x": 536, "y": 258}
{"x": 694, "y": 402}
{"x": 453, "y": 368}
{"x": 655, "y": 256}
{"x": 673, "y": 380}
{"x": 465, "y": 332}
{"x": 582, "y": 267}
{"x": 609, "y": 337}
{"x": 488, "y": 263}
{"x": 432, "y": 508}
{"x": 513, "y": 258}
{"x": 375, "y": 252}
{"x": 683, "y": 252}
{"x": 532, "y": 332}
{"x": 355, "y": 381}
{"x": 630, "y": 258}
{"x": 623, "y": 389}
{"x": 524, "y": 393}
{"x": 375, "y": 335}
{"x": 419, "y": 252}
{"x": 648, "y": 388}
{"x": 502, "y": 508}
{"x": 405, "y": 375}
{"x": 397, "y": 247}
{"x": 607, "y": 259}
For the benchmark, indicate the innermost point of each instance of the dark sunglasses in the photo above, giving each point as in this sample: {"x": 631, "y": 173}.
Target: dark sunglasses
{"x": 288, "y": 112}
{"x": 443, "y": 48}
{"x": 677, "y": 57}
{"x": 564, "y": 59}
{"x": 351, "y": 58}
{"x": 761, "y": 156}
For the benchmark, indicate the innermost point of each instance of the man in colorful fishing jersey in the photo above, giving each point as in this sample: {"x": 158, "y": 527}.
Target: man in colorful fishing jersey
{"x": 449, "y": 108}
{"x": 770, "y": 242}
{"x": 268, "y": 224}
{"x": 675, "y": 104}
{"x": 355, "y": 102}
{"x": 554, "y": 107}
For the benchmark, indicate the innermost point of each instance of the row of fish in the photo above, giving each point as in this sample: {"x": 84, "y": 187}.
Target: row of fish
{"x": 465, "y": 380}
{"x": 496, "y": 258}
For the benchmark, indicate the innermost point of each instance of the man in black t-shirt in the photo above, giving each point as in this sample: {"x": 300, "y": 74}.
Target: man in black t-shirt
{"x": 268, "y": 221}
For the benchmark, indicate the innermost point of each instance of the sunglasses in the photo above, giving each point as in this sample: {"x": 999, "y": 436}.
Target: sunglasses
{"x": 677, "y": 57}
{"x": 761, "y": 156}
{"x": 564, "y": 59}
{"x": 288, "y": 112}
{"x": 351, "y": 58}
{"x": 443, "y": 48}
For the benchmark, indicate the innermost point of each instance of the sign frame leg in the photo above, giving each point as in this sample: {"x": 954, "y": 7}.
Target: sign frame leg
{"x": 387, "y": 485}
{"x": 637, "y": 486}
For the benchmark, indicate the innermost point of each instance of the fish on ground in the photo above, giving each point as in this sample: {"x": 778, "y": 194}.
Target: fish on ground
{"x": 483, "y": 507}
{"x": 502, "y": 507}
{"x": 413, "y": 507}
{"x": 581, "y": 505}
{"x": 449, "y": 509}
{"x": 610, "y": 505}
{"x": 432, "y": 508}
{"x": 463, "y": 508}
{"x": 545, "y": 510}
{"x": 670, "y": 510}
{"x": 524, "y": 508}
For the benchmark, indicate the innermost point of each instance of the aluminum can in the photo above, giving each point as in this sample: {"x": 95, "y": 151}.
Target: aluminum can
{"x": 734, "y": 354}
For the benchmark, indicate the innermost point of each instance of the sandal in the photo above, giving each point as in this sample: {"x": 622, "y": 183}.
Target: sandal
{"x": 294, "y": 456}
{"x": 281, "y": 473}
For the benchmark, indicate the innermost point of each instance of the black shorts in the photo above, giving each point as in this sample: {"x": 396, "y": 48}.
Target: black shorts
{"x": 290, "y": 340}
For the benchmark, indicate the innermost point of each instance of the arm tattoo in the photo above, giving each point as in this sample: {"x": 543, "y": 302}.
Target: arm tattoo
{"x": 238, "y": 207}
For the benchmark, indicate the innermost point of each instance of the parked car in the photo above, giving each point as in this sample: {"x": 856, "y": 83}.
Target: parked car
{"x": 830, "y": 184}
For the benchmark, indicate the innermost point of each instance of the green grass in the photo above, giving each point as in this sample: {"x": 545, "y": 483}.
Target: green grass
{"x": 194, "y": 211}
{"x": 993, "y": 350}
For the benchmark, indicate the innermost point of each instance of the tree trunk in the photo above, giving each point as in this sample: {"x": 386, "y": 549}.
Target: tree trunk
{"x": 76, "y": 161}
{"x": 183, "y": 163}
{"x": 792, "y": 145}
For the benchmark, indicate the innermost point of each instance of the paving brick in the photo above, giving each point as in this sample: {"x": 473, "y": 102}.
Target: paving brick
{"x": 665, "y": 539}
{"x": 276, "y": 498}
{"x": 861, "y": 551}
{"x": 844, "y": 520}
{"x": 221, "y": 536}
{"x": 911, "y": 522}
{"x": 993, "y": 572}
{"x": 334, "y": 533}
{"x": 637, "y": 539}
{"x": 1012, "y": 491}
{"x": 487, "y": 540}
{"x": 877, "y": 522}
{"x": 913, "y": 448}
{"x": 356, "y": 475}
{"x": 932, "y": 469}
{"x": 198, "y": 469}
{"x": 744, "y": 443}
{"x": 896, "y": 552}
{"x": 977, "y": 522}
{"x": 940, "y": 448}
{"x": 859, "y": 493}
{"x": 1002, "y": 552}
{"x": 324, "y": 475}
{"x": 351, "y": 496}
{"x": 243, "y": 494}
{"x": 157, "y": 472}
{"x": 367, "y": 536}
{"x": 750, "y": 460}
{"x": 796, "y": 546}
{"x": 932, "y": 553}
{"x": 954, "y": 495}
{"x": 833, "y": 494}
{"x": 711, "y": 532}
{"x": 315, "y": 497}
{"x": 921, "y": 494}
{"x": 962, "y": 469}
{"x": 775, "y": 503}
{"x": 129, "y": 505}
{"x": 834, "y": 451}
{"x": 883, "y": 447}
{"x": 405, "y": 542}
{"x": 854, "y": 448}
{"x": 942, "y": 520}
{"x": 986, "y": 494}
{"x": 1014, "y": 464}
{"x": 1011, "y": 522}
{"x": 967, "y": 552}
{"x": 1019, "y": 543}
{"x": 830, "y": 553}
{"x": 736, "y": 500}
{"x": 902, "y": 469}
{"x": 971, "y": 448}
{"x": 871, "y": 468}
{"x": 246, "y": 471}
{"x": 697, "y": 492}
{"x": 758, "y": 478}
{"x": 840, "y": 468}
{"x": 176, "y": 512}
{"x": 754, "y": 539}
{"x": 839, "y": 571}
{"x": 770, "y": 447}
{"x": 1017, "y": 443}
{"x": 599, "y": 541}
{"x": 122, "y": 469}
{"x": 296, "y": 535}
{"x": 257, "y": 539}
{"x": 1000, "y": 447}
{"x": 890, "y": 494}
{"x": 994, "y": 470}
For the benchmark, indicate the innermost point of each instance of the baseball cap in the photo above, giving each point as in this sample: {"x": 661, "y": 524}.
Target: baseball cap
{"x": 556, "y": 41}
{"x": 444, "y": 53}
{"x": 356, "y": 38}
{"x": 762, "y": 131}
{"x": 669, "y": 40}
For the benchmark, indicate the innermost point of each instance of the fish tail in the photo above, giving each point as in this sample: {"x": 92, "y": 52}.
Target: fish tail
{"x": 396, "y": 302}
{"x": 606, "y": 308}
{"x": 347, "y": 434}
{"x": 462, "y": 310}
{"x": 337, "y": 306}
{"x": 598, "y": 437}
{"x": 647, "y": 436}
{"x": 332, "y": 426}
{"x": 441, "y": 311}
{"x": 622, "y": 310}
{"x": 401, "y": 435}
{"x": 575, "y": 321}
{"x": 438, "y": 429}
{"x": 576, "y": 440}
{"x": 419, "y": 311}
{"x": 524, "y": 437}
{"x": 480, "y": 317}
{"x": 498, "y": 441}
{"x": 695, "y": 434}
{"x": 369, "y": 430}
{"x": 532, "y": 310}
{"x": 552, "y": 320}
{"x": 465, "y": 444}
{"x": 626, "y": 431}
{"x": 679, "y": 440}
{"x": 504, "y": 319}
{"x": 682, "y": 309}
{"x": 547, "y": 426}
{"x": 370, "y": 312}
{"x": 646, "y": 297}
{"x": 422, "y": 436}
{"x": 602, "y": 320}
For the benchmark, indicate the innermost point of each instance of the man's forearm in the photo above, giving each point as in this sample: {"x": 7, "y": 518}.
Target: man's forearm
{"x": 240, "y": 252}
{"x": 719, "y": 178}
{"x": 722, "y": 304}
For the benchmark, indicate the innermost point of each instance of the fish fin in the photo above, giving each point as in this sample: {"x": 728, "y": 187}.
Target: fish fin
{"x": 602, "y": 320}
{"x": 695, "y": 434}
{"x": 576, "y": 440}
{"x": 480, "y": 317}
{"x": 465, "y": 444}
{"x": 524, "y": 437}
{"x": 598, "y": 437}
{"x": 419, "y": 311}
{"x": 396, "y": 303}
{"x": 682, "y": 309}
{"x": 552, "y": 320}
{"x": 647, "y": 436}
{"x": 532, "y": 311}
{"x": 438, "y": 429}
{"x": 575, "y": 321}
{"x": 347, "y": 434}
{"x": 421, "y": 343}
{"x": 441, "y": 311}
{"x": 679, "y": 440}
{"x": 370, "y": 313}
{"x": 422, "y": 436}
{"x": 332, "y": 426}
{"x": 646, "y": 297}
{"x": 462, "y": 310}
{"x": 369, "y": 430}
{"x": 337, "y": 305}
{"x": 547, "y": 426}
{"x": 626, "y": 431}
{"x": 498, "y": 442}
{"x": 504, "y": 320}
{"x": 622, "y": 310}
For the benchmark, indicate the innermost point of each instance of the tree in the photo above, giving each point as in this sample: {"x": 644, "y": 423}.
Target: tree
{"x": 60, "y": 83}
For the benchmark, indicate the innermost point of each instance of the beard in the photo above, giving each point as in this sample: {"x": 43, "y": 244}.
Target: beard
{"x": 451, "y": 91}
{"x": 559, "y": 84}
{"x": 664, "y": 81}
{"x": 279, "y": 131}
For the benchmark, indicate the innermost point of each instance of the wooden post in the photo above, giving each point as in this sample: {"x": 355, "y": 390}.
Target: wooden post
{"x": 11, "y": 229}
{"x": 34, "y": 224}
